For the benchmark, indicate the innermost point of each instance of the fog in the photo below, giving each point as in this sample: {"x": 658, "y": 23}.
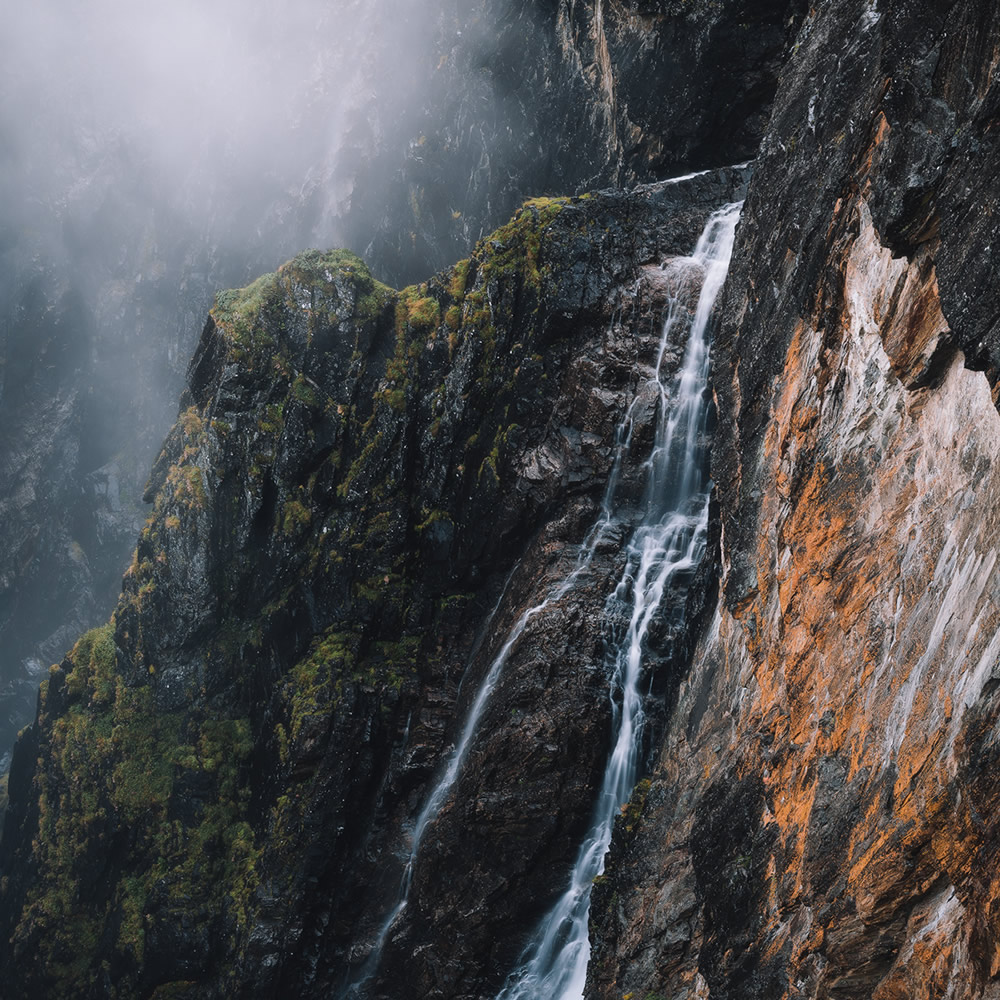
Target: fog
{"x": 219, "y": 106}
{"x": 150, "y": 154}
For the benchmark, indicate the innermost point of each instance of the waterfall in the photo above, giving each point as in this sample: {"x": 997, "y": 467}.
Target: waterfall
{"x": 670, "y": 540}
{"x": 667, "y": 546}
{"x": 439, "y": 793}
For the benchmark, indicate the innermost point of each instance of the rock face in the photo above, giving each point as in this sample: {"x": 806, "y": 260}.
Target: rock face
{"x": 367, "y": 489}
{"x": 560, "y": 97}
{"x": 821, "y": 821}
{"x": 213, "y": 798}
{"x": 102, "y": 295}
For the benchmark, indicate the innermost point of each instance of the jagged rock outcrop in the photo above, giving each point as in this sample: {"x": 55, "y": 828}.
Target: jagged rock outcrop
{"x": 215, "y": 792}
{"x": 454, "y": 115}
{"x": 822, "y": 819}
{"x": 366, "y": 489}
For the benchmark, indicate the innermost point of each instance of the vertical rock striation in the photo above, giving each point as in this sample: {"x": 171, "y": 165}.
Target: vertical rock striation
{"x": 366, "y": 489}
{"x": 560, "y": 97}
{"x": 821, "y": 821}
{"x": 414, "y": 131}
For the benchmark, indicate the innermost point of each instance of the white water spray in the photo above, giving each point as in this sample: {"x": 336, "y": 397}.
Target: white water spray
{"x": 667, "y": 546}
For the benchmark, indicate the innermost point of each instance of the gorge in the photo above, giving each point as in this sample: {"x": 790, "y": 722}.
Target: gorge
{"x": 496, "y": 638}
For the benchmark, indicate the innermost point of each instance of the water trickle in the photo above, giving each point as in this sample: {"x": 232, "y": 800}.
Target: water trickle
{"x": 664, "y": 550}
{"x": 439, "y": 793}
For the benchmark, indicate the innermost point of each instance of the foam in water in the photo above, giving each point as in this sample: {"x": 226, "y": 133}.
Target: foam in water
{"x": 665, "y": 548}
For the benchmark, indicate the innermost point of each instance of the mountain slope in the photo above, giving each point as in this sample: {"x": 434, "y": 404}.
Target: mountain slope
{"x": 210, "y": 797}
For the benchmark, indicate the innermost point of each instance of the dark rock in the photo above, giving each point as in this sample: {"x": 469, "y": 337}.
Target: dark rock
{"x": 841, "y": 702}
{"x": 354, "y": 474}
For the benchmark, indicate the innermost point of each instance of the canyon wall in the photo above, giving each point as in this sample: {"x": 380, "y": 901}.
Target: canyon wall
{"x": 403, "y": 131}
{"x": 367, "y": 489}
{"x": 216, "y": 793}
{"x": 821, "y": 821}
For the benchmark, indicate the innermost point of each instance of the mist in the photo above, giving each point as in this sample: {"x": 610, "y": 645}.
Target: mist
{"x": 220, "y": 108}
{"x": 151, "y": 154}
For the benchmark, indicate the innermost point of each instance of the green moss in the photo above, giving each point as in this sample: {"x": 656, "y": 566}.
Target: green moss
{"x": 294, "y": 517}
{"x": 281, "y": 736}
{"x": 93, "y": 660}
{"x": 132, "y": 893}
{"x": 432, "y": 517}
{"x": 516, "y": 246}
{"x": 238, "y": 311}
{"x": 316, "y": 681}
{"x": 273, "y": 419}
{"x": 424, "y": 313}
{"x": 249, "y": 316}
{"x": 451, "y": 603}
{"x": 144, "y": 741}
{"x": 305, "y": 392}
{"x": 398, "y": 661}
{"x": 632, "y": 809}
{"x": 191, "y": 423}
{"x": 110, "y": 759}
{"x": 453, "y": 318}
{"x": 358, "y": 465}
{"x": 459, "y": 279}
{"x": 220, "y": 850}
{"x": 113, "y": 762}
{"x": 188, "y": 486}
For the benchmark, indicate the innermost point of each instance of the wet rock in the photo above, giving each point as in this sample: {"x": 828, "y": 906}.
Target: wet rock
{"x": 845, "y": 676}
{"x": 218, "y": 786}
{"x": 104, "y": 288}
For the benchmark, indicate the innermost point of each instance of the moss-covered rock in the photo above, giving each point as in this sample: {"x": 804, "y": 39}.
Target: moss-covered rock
{"x": 214, "y": 779}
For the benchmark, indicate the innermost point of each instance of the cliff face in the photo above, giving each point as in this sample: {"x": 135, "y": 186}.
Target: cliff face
{"x": 821, "y": 821}
{"x": 212, "y": 795}
{"x": 104, "y": 288}
{"x": 368, "y": 490}
{"x": 561, "y": 97}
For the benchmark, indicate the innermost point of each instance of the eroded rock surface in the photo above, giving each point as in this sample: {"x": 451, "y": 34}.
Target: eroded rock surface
{"x": 822, "y": 818}
{"x": 416, "y": 130}
{"x": 366, "y": 489}
{"x": 214, "y": 799}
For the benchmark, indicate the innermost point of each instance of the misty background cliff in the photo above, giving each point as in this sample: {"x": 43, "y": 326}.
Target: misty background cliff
{"x": 152, "y": 155}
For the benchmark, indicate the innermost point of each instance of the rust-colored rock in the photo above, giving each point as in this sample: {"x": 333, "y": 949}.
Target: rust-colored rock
{"x": 822, "y": 821}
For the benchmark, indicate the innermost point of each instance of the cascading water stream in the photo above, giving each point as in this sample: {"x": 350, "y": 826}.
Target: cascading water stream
{"x": 667, "y": 545}
{"x": 677, "y": 514}
{"x": 439, "y": 793}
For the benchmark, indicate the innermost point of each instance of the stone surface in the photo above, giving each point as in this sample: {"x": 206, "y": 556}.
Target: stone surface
{"x": 216, "y": 793}
{"x": 366, "y": 489}
{"x": 819, "y": 822}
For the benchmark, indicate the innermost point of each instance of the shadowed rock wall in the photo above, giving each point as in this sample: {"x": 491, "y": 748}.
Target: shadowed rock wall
{"x": 214, "y": 797}
{"x": 821, "y": 821}
{"x": 419, "y": 131}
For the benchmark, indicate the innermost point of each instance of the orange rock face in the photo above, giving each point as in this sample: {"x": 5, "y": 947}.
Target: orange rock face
{"x": 828, "y": 791}
{"x": 822, "y": 819}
